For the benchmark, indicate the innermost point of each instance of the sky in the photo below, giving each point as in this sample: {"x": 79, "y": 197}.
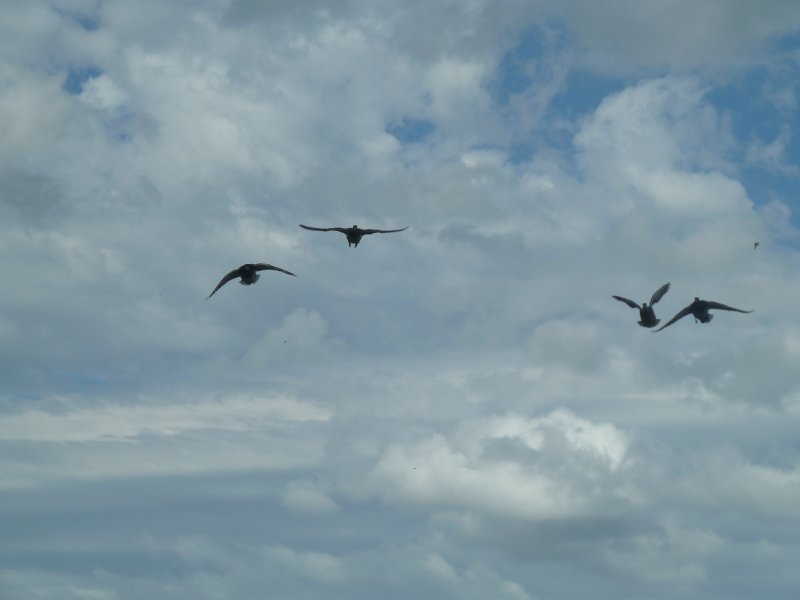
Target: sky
{"x": 459, "y": 410}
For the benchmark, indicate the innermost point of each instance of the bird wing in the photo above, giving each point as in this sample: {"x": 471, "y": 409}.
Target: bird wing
{"x": 371, "y": 231}
{"x": 659, "y": 293}
{"x": 630, "y": 303}
{"x": 340, "y": 229}
{"x": 232, "y": 275}
{"x": 266, "y": 267}
{"x": 678, "y": 317}
{"x": 719, "y": 306}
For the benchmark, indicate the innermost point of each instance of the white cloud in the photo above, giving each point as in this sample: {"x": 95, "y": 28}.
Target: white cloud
{"x": 528, "y": 469}
{"x": 314, "y": 565}
{"x": 152, "y": 439}
{"x": 102, "y": 93}
{"x": 676, "y": 556}
{"x": 662, "y": 141}
{"x": 460, "y": 410}
{"x": 724, "y": 475}
{"x": 305, "y": 497}
{"x": 773, "y": 154}
{"x": 95, "y": 423}
{"x": 437, "y": 565}
{"x": 514, "y": 590}
{"x": 623, "y": 35}
{"x": 301, "y": 334}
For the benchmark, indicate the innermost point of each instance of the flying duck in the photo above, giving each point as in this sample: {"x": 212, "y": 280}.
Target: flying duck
{"x": 646, "y": 313}
{"x": 354, "y": 234}
{"x": 699, "y": 309}
{"x": 248, "y": 273}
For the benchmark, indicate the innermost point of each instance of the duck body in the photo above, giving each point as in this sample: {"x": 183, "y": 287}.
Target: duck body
{"x": 247, "y": 274}
{"x": 647, "y": 315}
{"x": 354, "y": 233}
{"x": 699, "y": 309}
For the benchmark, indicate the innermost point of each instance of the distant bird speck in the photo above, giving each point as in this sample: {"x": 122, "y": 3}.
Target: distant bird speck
{"x": 248, "y": 274}
{"x": 354, "y": 233}
{"x": 755, "y": 245}
{"x": 699, "y": 309}
{"x": 646, "y": 313}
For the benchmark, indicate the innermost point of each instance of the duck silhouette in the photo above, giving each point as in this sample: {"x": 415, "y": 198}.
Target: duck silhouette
{"x": 248, "y": 274}
{"x": 646, "y": 313}
{"x": 699, "y": 309}
{"x": 354, "y": 233}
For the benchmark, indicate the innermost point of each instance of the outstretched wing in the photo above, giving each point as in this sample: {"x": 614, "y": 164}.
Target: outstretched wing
{"x": 266, "y": 267}
{"x": 371, "y": 231}
{"x": 678, "y": 317}
{"x": 719, "y": 306}
{"x": 232, "y": 275}
{"x": 659, "y": 293}
{"x": 339, "y": 229}
{"x": 630, "y": 303}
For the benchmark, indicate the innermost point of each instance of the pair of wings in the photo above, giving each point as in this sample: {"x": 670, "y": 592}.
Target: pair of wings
{"x": 709, "y": 304}
{"x": 659, "y": 293}
{"x": 238, "y": 273}
{"x": 345, "y": 230}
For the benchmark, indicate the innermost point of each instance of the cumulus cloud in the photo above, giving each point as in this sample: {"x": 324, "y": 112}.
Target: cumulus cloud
{"x": 460, "y": 410}
{"x": 315, "y": 565}
{"x": 624, "y": 35}
{"x": 772, "y": 154}
{"x": 675, "y": 557}
{"x": 665, "y": 143}
{"x": 305, "y": 497}
{"x": 307, "y": 332}
{"x": 528, "y": 469}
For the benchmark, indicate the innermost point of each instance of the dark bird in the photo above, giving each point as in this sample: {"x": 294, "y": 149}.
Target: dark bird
{"x": 755, "y": 245}
{"x": 354, "y": 234}
{"x": 646, "y": 313}
{"x": 248, "y": 273}
{"x": 699, "y": 309}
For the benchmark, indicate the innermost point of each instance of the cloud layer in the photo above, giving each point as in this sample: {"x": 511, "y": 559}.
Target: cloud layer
{"x": 459, "y": 410}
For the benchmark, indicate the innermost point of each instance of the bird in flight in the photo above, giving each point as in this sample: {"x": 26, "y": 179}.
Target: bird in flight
{"x": 699, "y": 309}
{"x": 755, "y": 245}
{"x": 248, "y": 274}
{"x": 646, "y": 313}
{"x": 354, "y": 233}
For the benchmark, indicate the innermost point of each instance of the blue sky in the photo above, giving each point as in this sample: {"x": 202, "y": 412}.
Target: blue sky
{"x": 459, "y": 410}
